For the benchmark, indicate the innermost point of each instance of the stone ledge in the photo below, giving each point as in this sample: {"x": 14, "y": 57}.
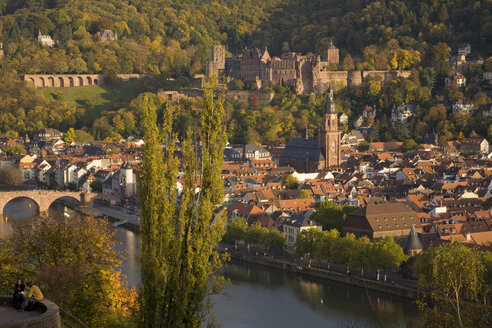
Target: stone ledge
{"x": 48, "y": 315}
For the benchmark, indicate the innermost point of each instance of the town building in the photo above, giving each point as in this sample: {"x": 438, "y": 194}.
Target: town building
{"x": 343, "y": 119}
{"x": 377, "y": 220}
{"x": 402, "y": 113}
{"x": 474, "y": 145}
{"x": 311, "y": 155}
{"x": 108, "y": 36}
{"x": 295, "y": 225}
{"x": 45, "y": 40}
{"x": 463, "y": 105}
{"x": 455, "y": 80}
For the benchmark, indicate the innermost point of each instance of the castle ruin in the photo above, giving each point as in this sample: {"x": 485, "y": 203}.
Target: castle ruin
{"x": 306, "y": 74}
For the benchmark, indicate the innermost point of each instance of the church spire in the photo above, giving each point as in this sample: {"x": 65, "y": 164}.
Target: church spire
{"x": 330, "y": 106}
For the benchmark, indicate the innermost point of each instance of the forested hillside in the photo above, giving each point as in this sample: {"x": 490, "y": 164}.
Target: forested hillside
{"x": 171, "y": 38}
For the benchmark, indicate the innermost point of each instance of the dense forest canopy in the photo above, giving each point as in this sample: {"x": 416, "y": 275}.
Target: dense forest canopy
{"x": 171, "y": 39}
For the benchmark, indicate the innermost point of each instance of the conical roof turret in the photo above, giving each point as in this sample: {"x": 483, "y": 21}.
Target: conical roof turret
{"x": 413, "y": 242}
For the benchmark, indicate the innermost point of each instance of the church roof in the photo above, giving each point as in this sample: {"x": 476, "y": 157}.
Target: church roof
{"x": 301, "y": 148}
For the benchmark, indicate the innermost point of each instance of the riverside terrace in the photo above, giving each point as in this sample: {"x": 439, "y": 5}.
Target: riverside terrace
{"x": 45, "y": 315}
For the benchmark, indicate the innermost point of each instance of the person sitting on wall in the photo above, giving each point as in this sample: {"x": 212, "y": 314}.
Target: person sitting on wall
{"x": 18, "y": 289}
{"x": 35, "y": 295}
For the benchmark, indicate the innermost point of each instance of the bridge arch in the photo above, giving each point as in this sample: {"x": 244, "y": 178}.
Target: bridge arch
{"x": 61, "y": 82}
{"x": 70, "y": 81}
{"x": 81, "y": 81}
{"x": 43, "y": 83}
{"x": 51, "y": 82}
{"x": 96, "y": 81}
{"x": 89, "y": 80}
{"x": 9, "y": 212}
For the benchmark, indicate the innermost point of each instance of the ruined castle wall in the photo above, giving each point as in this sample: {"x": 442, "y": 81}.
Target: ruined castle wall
{"x": 385, "y": 76}
{"x": 333, "y": 77}
{"x": 354, "y": 78}
{"x": 284, "y": 72}
{"x": 245, "y": 96}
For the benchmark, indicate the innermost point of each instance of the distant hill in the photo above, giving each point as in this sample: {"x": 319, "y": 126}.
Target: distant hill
{"x": 172, "y": 37}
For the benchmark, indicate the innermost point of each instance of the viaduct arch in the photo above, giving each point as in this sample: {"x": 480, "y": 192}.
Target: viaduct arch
{"x": 73, "y": 80}
{"x": 44, "y": 198}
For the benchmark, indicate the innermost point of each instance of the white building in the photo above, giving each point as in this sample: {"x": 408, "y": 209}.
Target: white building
{"x": 463, "y": 105}
{"x": 295, "y": 225}
{"x": 402, "y": 113}
{"x": 456, "y": 79}
{"x": 45, "y": 40}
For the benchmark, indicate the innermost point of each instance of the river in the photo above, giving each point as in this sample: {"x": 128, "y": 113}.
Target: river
{"x": 263, "y": 297}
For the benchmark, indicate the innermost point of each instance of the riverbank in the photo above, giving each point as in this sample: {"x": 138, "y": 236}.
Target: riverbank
{"x": 358, "y": 281}
{"x": 114, "y": 215}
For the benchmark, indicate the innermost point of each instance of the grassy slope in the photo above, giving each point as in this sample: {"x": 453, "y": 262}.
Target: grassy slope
{"x": 103, "y": 97}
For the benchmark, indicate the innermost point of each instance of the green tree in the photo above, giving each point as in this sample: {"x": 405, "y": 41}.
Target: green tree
{"x": 236, "y": 231}
{"x": 408, "y": 144}
{"x": 274, "y": 240}
{"x": 11, "y": 176}
{"x": 178, "y": 237}
{"x": 331, "y": 215}
{"x": 82, "y": 136}
{"x": 324, "y": 246}
{"x": 290, "y": 181}
{"x": 69, "y": 135}
{"x": 306, "y": 242}
{"x": 345, "y": 251}
{"x": 450, "y": 272}
{"x": 14, "y": 149}
{"x": 304, "y": 194}
{"x": 60, "y": 67}
{"x": 255, "y": 234}
{"x": 78, "y": 65}
{"x": 386, "y": 254}
{"x": 96, "y": 186}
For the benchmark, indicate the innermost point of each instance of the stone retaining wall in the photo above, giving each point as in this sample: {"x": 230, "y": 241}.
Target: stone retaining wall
{"x": 49, "y": 316}
{"x": 331, "y": 275}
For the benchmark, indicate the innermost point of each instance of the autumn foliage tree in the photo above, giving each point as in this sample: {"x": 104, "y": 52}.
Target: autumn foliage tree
{"x": 74, "y": 261}
{"x": 453, "y": 275}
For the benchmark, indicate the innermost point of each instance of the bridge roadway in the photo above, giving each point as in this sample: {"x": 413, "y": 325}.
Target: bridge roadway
{"x": 100, "y": 210}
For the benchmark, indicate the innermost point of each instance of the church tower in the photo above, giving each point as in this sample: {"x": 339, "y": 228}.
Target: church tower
{"x": 329, "y": 136}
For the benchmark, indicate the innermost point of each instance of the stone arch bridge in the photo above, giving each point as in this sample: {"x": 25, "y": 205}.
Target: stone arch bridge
{"x": 64, "y": 81}
{"x": 44, "y": 198}
{"x": 73, "y": 80}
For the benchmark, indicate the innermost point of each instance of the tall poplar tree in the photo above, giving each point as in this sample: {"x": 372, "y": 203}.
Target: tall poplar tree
{"x": 179, "y": 232}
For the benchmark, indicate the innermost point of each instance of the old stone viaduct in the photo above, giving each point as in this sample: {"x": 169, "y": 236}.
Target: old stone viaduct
{"x": 73, "y": 80}
{"x": 44, "y": 198}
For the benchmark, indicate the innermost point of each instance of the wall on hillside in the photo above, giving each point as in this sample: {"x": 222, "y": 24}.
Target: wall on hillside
{"x": 73, "y": 80}
{"x": 249, "y": 96}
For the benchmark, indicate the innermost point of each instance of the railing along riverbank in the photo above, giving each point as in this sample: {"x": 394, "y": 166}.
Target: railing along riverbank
{"x": 391, "y": 286}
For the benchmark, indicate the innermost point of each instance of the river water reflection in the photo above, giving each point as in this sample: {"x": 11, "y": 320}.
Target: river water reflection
{"x": 261, "y": 297}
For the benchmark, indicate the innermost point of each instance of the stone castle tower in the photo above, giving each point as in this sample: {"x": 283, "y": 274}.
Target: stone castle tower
{"x": 329, "y": 136}
{"x": 216, "y": 61}
{"x": 331, "y": 55}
